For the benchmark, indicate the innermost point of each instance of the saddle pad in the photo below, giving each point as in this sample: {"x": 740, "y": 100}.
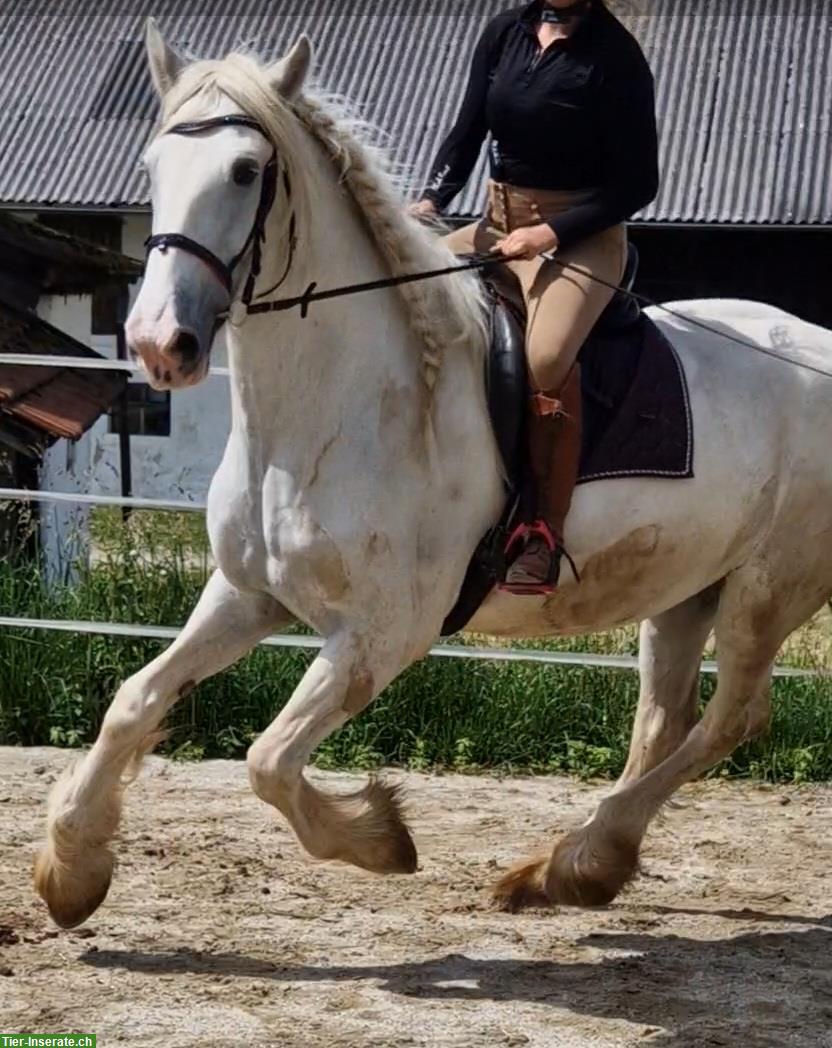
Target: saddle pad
{"x": 636, "y": 409}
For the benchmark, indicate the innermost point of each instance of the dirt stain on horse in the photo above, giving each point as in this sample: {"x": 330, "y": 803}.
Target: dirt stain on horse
{"x": 328, "y": 567}
{"x": 612, "y": 577}
{"x": 377, "y": 545}
{"x": 360, "y": 691}
{"x": 402, "y": 411}
{"x": 316, "y": 465}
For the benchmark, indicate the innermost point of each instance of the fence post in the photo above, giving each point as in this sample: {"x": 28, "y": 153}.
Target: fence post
{"x": 125, "y": 465}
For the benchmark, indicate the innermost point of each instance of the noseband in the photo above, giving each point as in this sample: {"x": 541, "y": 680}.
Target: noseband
{"x": 224, "y": 271}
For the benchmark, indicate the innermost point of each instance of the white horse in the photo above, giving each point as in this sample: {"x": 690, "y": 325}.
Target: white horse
{"x": 361, "y": 472}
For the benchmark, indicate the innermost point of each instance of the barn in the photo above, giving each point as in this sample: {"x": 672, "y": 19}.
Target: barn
{"x": 744, "y": 96}
{"x": 46, "y": 411}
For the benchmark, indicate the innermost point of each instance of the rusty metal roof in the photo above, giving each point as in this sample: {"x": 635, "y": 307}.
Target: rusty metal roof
{"x": 59, "y": 402}
{"x": 744, "y": 93}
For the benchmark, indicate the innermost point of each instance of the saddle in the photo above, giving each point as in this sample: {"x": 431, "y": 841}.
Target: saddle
{"x": 507, "y": 373}
{"x": 636, "y": 417}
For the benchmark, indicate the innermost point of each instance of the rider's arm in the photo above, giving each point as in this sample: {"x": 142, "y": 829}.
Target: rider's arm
{"x": 458, "y": 153}
{"x": 627, "y": 115}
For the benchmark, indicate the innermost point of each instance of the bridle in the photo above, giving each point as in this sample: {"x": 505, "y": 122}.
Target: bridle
{"x": 224, "y": 271}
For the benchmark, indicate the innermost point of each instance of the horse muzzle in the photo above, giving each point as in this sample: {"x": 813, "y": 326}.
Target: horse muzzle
{"x": 172, "y": 357}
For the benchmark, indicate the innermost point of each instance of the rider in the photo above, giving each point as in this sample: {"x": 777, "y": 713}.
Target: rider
{"x": 567, "y": 96}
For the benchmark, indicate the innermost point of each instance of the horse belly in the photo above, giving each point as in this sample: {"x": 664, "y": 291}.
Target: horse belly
{"x": 641, "y": 574}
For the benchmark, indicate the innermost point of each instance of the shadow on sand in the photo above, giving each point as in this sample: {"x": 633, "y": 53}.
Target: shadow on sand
{"x": 755, "y": 990}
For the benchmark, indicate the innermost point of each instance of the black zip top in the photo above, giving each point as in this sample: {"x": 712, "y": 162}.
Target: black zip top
{"x": 577, "y": 115}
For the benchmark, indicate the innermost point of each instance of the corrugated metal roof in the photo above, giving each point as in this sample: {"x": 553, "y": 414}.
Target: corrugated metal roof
{"x": 744, "y": 99}
{"x": 56, "y": 401}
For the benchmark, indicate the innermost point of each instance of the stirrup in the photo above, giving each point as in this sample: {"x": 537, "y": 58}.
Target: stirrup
{"x": 520, "y": 536}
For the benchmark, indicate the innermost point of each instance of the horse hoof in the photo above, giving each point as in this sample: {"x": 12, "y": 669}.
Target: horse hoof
{"x": 369, "y": 830}
{"x": 522, "y": 887}
{"x": 72, "y": 897}
{"x": 398, "y": 855}
{"x": 589, "y": 869}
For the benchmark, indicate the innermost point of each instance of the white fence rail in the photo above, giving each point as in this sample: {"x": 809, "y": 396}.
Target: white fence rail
{"x": 447, "y": 651}
{"x": 282, "y": 640}
{"x": 25, "y": 495}
{"x": 42, "y": 360}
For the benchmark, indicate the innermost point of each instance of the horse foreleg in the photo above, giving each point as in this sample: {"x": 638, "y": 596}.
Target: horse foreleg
{"x": 72, "y": 873}
{"x": 366, "y": 827}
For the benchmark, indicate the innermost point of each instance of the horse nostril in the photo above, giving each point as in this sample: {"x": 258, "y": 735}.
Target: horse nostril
{"x": 187, "y": 347}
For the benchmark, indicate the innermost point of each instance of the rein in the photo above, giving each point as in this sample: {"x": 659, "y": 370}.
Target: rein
{"x": 486, "y": 259}
{"x": 278, "y": 305}
{"x": 224, "y": 272}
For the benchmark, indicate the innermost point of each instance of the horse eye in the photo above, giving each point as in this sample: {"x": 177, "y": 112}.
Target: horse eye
{"x": 244, "y": 172}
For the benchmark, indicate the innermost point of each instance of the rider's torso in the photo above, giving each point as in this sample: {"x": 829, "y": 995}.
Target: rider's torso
{"x": 542, "y": 110}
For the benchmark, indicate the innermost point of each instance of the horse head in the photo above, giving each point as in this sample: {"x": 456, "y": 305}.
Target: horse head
{"x": 213, "y": 168}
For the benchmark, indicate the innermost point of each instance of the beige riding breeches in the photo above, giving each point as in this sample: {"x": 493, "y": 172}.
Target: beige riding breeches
{"x": 562, "y": 304}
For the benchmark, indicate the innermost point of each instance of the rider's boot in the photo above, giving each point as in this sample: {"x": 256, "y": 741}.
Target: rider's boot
{"x": 555, "y": 450}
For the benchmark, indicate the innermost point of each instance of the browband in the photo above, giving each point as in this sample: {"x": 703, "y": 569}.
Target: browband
{"x": 193, "y": 127}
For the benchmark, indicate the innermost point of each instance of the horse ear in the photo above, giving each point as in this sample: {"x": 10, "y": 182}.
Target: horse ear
{"x": 165, "y": 64}
{"x": 287, "y": 75}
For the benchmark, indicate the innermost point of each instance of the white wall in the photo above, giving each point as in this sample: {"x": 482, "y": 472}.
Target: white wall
{"x": 179, "y": 466}
{"x": 67, "y": 465}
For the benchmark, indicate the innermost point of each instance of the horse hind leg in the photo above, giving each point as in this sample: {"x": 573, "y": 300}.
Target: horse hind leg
{"x": 73, "y": 871}
{"x": 365, "y": 828}
{"x": 758, "y": 608}
{"x": 669, "y": 656}
{"x": 756, "y": 613}
{"x": 670, "y": 651}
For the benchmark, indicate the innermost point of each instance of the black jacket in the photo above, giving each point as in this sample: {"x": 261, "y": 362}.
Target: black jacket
{"x": 581, "y": 115}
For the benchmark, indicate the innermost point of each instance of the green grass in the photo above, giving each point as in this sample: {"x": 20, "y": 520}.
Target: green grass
{"x": 445, "y": 713}
{"x": 149, "y": 529}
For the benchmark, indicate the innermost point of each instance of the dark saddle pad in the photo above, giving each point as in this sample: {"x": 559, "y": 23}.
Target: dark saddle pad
{"x": 636, "y": 410}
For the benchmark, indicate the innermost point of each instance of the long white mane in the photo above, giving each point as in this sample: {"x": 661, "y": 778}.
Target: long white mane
{"x": 445, "y": 313}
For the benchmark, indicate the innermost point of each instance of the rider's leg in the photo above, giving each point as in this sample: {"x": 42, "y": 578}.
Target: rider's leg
{"x": 564, "y": 304}
{"x": 468, "y": 239}
{"x": 563, "y": 307}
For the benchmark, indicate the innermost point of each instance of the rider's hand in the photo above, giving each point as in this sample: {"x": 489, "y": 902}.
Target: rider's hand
{"x": 528, "y": 242}
{"x": 423, "y": 209}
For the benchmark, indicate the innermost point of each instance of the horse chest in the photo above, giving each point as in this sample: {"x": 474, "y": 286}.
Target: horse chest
{"x": 286, "y": 552}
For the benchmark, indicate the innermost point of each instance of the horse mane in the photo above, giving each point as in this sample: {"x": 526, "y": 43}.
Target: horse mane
{"x": 445, "y": 313}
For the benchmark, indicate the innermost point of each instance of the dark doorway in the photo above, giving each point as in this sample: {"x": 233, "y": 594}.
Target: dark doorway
{"x": 788, "y": 268}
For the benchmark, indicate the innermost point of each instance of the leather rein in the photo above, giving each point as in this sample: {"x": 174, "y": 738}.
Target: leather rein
{"x": 224, "y": 271}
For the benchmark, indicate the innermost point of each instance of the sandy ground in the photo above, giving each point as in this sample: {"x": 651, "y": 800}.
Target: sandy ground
{"x": 218, "y": 932}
